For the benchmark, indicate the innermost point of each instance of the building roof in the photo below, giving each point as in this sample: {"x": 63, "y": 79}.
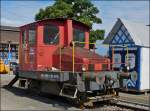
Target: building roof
{"x": 139, "y": 32}
{"x": 9, "y": 28}
{"x": 58, "y": 19}
{"x": 9, "y": 33}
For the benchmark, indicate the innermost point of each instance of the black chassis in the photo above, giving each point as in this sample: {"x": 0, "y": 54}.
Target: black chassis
{"x": 79, "y": 85}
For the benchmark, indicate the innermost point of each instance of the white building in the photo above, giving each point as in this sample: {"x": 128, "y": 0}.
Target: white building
{"x": 131, "y": 40}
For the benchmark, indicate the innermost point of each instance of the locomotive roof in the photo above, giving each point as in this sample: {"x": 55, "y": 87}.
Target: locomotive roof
{"x": 58, "y": 19}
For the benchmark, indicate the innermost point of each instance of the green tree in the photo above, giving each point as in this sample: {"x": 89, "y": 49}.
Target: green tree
{"x": 96, "y": 35}
{"x": 80, "y": 10}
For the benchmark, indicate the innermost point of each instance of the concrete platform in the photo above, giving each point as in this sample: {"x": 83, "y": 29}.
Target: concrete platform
{"x": 19, "y": 99}
{"x": 139, "y": 98}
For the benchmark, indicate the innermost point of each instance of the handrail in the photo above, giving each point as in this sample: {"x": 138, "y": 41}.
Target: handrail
{"x": 73, "y": 53}
{"x": 125, "y": 46}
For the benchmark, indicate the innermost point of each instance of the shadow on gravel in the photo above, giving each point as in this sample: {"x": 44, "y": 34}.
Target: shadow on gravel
{"x": 55, "y": 101}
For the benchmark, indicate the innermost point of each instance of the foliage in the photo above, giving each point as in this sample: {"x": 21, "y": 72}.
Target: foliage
{"x": 80, "y": 10}
{"x": 96, "y": 35}
{"x": 58, "y": 10}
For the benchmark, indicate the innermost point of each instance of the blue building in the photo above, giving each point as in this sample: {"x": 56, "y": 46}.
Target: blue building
{"x": 129, "y": 46}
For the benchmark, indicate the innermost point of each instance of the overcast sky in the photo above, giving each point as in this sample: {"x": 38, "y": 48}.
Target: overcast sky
{"x": 17, "y": 13}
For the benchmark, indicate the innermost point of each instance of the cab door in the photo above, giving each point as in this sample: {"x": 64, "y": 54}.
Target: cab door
{"x": 47, "y": 44}
{"x": 32, "y": 38}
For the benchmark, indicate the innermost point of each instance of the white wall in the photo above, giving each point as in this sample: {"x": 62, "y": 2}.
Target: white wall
{"x": 145, "y": 74}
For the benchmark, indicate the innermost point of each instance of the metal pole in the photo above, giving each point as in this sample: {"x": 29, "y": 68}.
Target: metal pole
{"x": 9, "y": 54}
{"x": 112, "y": 57}
{"x": 127, "y": 55}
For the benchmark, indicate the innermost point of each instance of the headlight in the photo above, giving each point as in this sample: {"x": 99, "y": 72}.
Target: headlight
{"x": 83, "y": 68}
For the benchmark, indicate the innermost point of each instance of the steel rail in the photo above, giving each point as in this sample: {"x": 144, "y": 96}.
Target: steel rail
{"x": 133, "y": 105}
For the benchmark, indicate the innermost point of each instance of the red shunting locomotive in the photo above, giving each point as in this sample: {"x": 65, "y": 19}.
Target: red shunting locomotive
{"x": 55, "y": 58}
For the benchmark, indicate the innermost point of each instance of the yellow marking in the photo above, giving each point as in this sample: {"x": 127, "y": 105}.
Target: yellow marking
{"x": 60, "y": 57}
{"x": 83, "y": 42}
{"x": 73, "y": 56}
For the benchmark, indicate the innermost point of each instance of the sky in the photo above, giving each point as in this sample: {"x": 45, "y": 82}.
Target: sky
{"x": 17, "y": 12}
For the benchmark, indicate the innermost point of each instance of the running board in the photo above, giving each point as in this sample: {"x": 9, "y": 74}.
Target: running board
{"x": 69, "y": 91}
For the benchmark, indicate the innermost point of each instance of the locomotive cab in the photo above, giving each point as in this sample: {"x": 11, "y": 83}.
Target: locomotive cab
{"x": 43, "y": 42}
{"x": 41, "y": 39}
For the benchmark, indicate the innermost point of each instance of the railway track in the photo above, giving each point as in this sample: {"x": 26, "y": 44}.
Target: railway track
{"x": 120, "y": 105}
{"x": 132, "y": 105}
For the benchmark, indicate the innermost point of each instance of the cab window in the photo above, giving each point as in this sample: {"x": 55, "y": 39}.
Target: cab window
{"x": 32, "y": 35}
{"x": 51, "y": 34}
{"x": 79, "y": 35}
{"x": 24, "y": 38}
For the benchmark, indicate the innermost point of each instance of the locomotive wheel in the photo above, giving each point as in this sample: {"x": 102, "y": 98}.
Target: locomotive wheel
{"x": 117, "y": 92}
{"x": 83, "y": 101}
{"x": 81, "y": 98}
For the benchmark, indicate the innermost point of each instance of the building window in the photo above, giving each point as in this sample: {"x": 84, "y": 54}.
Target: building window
{"x": 130, "y": 60}
{"x": 126, "y": 33}
{"x": 122, "y": 37}
{"x": 51, "y": 34}
{"x": 116, "y": 37}
{"x": 13, "y": 55}
{"x": 123, "y": 28}
{"x": 113, "y": 41}
{"x": 32, "y": 35}
{"x": 130, "y": 39}
{"x": 120, "y": 33}
{"x": 120, "y": 41}
{"x": 117, "y": 60}
{"x": 126, "y": 41}
{"x": 79, "y": 36}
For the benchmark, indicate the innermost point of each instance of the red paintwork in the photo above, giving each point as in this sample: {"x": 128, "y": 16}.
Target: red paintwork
{"x": 47, "y": 56}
